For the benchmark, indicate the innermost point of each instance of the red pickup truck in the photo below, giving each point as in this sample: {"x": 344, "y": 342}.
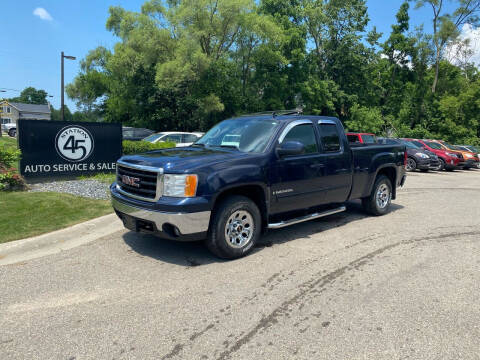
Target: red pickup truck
{"x": 361, "y": 138}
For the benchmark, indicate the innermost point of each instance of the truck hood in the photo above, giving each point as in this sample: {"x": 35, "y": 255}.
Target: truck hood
{"x": 183, "y": 159}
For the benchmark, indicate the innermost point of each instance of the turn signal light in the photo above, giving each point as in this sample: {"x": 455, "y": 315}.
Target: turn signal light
{"x": 191, "y": 185}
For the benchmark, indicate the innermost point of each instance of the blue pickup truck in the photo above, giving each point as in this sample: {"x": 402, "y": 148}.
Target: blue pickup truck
{"x": 253, "y": 173}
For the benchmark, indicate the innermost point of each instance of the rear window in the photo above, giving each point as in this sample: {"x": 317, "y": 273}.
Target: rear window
{"x": 369, "y": 139}
{"x": 329, "y": 137}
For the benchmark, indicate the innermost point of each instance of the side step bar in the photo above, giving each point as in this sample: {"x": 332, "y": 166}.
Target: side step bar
{"x": 306, "y": 218}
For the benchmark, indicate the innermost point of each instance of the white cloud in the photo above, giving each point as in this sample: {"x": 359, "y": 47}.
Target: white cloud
{"x": 468, "y": 49}
{"x": 42, "y": 14}
{"x": 400, "y": 59}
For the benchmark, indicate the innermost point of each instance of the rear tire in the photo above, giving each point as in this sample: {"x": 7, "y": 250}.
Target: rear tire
{"x": 235, "y": 228}
{"x": 12, "y": 132}
{"x": 379, "y": 201}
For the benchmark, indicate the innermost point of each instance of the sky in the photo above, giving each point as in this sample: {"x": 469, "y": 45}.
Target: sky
{"x": 33, "y": 33}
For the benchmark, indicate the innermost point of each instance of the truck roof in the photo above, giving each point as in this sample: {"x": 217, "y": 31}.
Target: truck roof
{"x": 285, "y": 117}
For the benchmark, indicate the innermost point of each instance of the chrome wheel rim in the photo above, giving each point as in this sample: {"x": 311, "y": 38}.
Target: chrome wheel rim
{"x": 410, "y": 164}
{"x": 383, "y": 196}
{"x": 239, "y": 229}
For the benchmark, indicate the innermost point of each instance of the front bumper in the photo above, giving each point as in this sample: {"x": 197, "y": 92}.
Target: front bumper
{"x": 168, "y": 225}
{"x": 467, "y": 164}
{"x": 423, "y": 164}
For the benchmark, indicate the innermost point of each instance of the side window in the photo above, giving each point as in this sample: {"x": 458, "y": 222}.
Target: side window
{"x": 305, "y": 134}
{"x": 330, "y": 138}
{"x": 176, "y": 138}
{"x": 353, "y": 139}
{"x": 128, "y": 133}
{"x": 188, "y": 138}
{"x": 419, "y": 144}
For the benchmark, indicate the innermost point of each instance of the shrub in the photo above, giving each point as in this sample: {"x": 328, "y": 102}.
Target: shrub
{"x": 9, "y": 157}
{"x": 136, "y": 147}
{"x": 9, "y": 178}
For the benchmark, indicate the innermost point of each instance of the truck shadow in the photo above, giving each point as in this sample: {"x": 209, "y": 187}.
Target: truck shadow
{"x": 190, "y": 254}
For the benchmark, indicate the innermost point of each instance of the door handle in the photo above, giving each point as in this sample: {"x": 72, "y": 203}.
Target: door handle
{"x": 317, "y": 166}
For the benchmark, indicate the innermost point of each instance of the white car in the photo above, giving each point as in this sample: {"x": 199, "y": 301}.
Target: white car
{"x": 10, "y": 129}
{"x": 181, "y": 139}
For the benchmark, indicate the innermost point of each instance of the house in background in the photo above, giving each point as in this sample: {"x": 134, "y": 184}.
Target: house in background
{"x": 11, "y": 112}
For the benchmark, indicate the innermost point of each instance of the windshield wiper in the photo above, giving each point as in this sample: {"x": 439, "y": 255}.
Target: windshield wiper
{"x": 228, "y": 146}
{"x": 202, "y": 145}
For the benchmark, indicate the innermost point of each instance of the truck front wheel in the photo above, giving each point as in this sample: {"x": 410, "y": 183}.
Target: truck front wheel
{"x": 381, "y": 197}
{"x": 235, "y": 228}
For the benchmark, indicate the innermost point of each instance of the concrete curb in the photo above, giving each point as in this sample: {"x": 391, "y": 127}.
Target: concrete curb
{"x": 57, "y": 241}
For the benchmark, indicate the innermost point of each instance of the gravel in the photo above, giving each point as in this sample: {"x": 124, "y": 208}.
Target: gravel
{"x": 92, "y": 189}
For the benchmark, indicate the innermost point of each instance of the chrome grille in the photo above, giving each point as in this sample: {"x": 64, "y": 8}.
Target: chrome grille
{"x": 147, "y": 181}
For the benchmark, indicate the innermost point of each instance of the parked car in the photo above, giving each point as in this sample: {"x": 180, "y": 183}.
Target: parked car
{"x": 181, "y": 139}
{"x": 474, "y": 150}
{"x": 361, "y": 138}
{"x": 418, "y": 158}
{"x": 10, "y": 129}
{"x": 448, "y": 159}
{"x": 135, "y": 134}
{"x": 469, "y": 160}
{"x": 253, "y": 173}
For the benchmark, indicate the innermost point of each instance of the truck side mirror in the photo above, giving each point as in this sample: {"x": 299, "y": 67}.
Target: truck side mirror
{"x": 290, "y": 148}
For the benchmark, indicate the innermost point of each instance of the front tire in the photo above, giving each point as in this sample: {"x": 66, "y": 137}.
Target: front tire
{"x": 12, "y": 132}
{"x": 235, "y": 228}
{"x": 441, "y": 166}
{"x": 411, "y": 164}
{"x": 380, "y": 199}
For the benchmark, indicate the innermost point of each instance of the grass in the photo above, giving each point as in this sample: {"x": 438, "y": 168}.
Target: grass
{"x": 26, "y": 214}
{"x": 8, "y": 142}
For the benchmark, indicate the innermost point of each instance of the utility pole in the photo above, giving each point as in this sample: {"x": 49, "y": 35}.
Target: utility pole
{"x": 63, "y": 86}
{"x": 1, "y": 112}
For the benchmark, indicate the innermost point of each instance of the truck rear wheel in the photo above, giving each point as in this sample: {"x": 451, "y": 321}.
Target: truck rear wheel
{"x": 381, "y": 197}
{"x": 235, "y": 228}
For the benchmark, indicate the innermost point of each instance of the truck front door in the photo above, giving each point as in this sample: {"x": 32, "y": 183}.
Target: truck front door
{"x": 296, "y": 179}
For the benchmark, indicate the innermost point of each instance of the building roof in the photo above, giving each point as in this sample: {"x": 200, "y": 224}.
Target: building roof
{"x": 31, "y": 108}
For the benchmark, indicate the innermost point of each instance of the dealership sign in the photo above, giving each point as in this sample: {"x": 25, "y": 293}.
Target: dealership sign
{"x": 58, "y": 148}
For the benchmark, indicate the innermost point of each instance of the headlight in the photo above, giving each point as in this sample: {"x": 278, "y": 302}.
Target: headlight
{"x": 468, "y": 155}
{"x": 422, "y": 155}
{"x": 180, "y": 185}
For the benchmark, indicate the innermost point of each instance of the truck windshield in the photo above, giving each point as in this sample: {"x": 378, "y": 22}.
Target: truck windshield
{"x": 246, "y": 135}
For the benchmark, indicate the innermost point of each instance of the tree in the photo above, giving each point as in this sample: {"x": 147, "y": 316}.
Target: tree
{"x": 446, "y": 27}
{"x": 30, "y": 95}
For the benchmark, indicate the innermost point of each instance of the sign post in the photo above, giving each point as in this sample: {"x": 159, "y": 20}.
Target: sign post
{"x": 68, "y": 149}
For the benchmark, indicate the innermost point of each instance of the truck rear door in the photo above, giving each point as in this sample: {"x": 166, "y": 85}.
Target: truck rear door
{"x": 336, "y": 157}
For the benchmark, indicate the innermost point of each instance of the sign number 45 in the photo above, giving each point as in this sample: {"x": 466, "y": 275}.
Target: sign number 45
{"x": 74, "y": 143}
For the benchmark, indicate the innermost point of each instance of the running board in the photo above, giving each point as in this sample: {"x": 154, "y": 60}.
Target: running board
{"x": 306, "y": 218}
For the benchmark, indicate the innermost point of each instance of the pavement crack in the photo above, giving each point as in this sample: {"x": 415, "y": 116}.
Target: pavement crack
{"x": 313, "y": 285}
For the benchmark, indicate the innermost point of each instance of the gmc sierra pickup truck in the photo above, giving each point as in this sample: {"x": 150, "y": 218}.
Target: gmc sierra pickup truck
{"x": 253, "y": 173}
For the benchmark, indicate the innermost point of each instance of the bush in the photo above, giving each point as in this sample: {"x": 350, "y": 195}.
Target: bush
{"x": 9, "y": 178}
{"x": 137, "y": 147}
{"x": 9, "y": 157}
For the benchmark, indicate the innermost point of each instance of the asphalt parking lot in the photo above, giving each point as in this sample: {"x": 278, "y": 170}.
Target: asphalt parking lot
{"x": 405, "y": 285}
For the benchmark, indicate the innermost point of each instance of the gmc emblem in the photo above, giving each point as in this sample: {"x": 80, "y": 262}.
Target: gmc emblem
{"x": 132, "y": 181}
